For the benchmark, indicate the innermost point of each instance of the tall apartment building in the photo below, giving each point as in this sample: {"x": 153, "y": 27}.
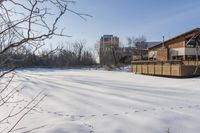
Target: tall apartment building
{"x": 109, "y": 50}
{"x": 108, "y": 41}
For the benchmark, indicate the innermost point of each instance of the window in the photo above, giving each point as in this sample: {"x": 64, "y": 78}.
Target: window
{"x": 107, "y": 39}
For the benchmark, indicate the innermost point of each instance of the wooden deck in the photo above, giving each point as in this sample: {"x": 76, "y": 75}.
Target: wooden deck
{"x": 180, "y": 69}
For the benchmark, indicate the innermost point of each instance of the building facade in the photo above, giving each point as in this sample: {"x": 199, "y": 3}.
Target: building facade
{"x": 181, "y": 47}
{"x": 110, "y": 51}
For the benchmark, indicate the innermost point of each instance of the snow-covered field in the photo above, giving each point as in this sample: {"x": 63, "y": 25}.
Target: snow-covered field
{"x": 88, "y": 101}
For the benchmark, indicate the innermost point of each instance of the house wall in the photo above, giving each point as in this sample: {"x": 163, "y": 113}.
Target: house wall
{"x": 176, "y": 43}
{"x": 171, "y": 48}
{"x": 162, "y": 54}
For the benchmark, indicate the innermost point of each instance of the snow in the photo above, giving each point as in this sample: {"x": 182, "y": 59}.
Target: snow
{"x": 88, "y": 101}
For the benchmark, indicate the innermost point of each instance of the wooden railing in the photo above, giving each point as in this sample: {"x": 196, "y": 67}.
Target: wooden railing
{"x": 166, "y": 68}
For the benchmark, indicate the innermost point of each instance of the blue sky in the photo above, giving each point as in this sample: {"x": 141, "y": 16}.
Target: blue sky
{"x": 152, "y": 18}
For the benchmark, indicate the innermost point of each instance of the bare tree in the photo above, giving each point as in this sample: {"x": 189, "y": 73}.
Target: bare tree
{"x": 109, "y": 54}
{"x": 25, "y": 23}
{"x": 116, "y": 51}
{"x": 101, "y": 52}
{"x": 97, "y": 48}
{"x": 1, "y": 1}
{"x": 29, "y": 24}
{"x": 141, "y": 46}
{"x": 138, "y": 46}
{"x": 140, "y": 42}
{"x": 78, "y": 49}
{"x": 131, "y": 42}
{"x": 195, "y": 42}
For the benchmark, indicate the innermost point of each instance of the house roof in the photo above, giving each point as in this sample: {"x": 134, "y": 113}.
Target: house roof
{"x": 151, "y": 44}
{"x": 183, "y": 34}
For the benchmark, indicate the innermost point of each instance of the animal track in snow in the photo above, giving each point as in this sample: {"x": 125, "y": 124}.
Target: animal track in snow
{"x": 90, "y": 127}
{"x": 81, "y": 116}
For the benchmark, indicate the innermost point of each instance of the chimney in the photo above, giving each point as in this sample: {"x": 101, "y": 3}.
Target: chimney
{"x": 163, "y": 42}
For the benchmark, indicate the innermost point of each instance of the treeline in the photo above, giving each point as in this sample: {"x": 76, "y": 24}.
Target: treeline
{"x": 76, "y": 55}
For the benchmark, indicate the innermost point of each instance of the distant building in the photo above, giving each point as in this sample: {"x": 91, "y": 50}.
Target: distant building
{"x": 110, "y": 52}
{"x": 108, "y": 41}
{"x": 132, "y": 53}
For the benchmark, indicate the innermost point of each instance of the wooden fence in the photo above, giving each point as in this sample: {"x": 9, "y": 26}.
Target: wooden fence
{"x": 166, "y": 68}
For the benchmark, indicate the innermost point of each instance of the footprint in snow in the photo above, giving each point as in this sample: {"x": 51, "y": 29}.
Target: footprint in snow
{"x": 26, "y": 101}
{"x": 72, "y": 116}
{"x": 162, "y": 108}
{"x": 27, "y": 78}
{"x": 60, "y": 114}
{"x": 90, "y": 127}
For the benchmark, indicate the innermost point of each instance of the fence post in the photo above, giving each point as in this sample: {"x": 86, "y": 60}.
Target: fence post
{"x": 154, "y": 69}
{"x": 162, "y": 68}
{"x": 170, "y": 63}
